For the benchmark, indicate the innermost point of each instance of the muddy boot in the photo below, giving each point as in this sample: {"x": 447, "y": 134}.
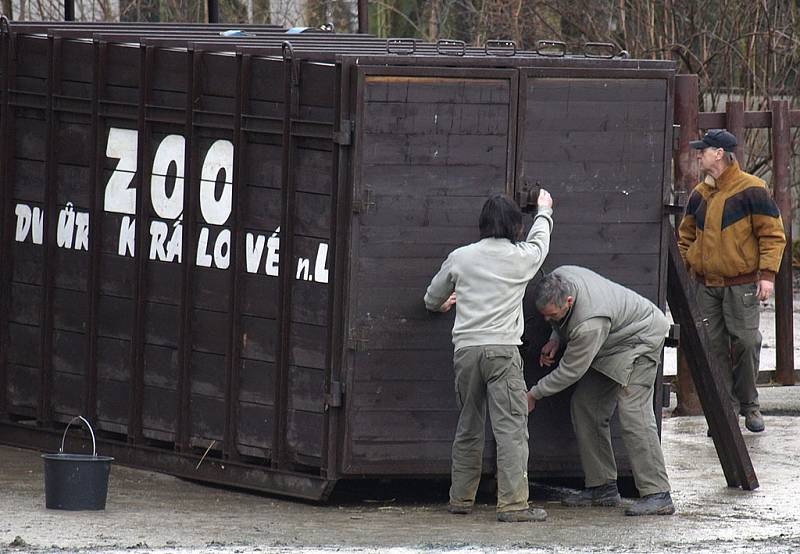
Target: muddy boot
{"x": 603, "y": 495}
{"x": 754, "y": 421}
{"x": 658, "y": 504}
{"x": 522, "y": 516}
{"x": 459, "y": 509}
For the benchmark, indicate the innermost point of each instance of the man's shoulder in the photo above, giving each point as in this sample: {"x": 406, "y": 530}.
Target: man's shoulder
{"x": 747, "y": 180}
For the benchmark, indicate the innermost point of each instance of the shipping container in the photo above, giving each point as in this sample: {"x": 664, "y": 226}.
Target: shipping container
{"x": 216, "y": 248}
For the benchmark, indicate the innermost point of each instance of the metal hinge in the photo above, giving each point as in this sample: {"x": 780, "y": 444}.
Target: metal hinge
{"x": 344, "y": 136}
{"x": 674, "y": 336}
{"x": 335, "y": 397}
{"x": 363, "y": 205}
{"x": 678, "y": 204}
{"x": 676, "y": 137}
{"x": 357, "y": 340}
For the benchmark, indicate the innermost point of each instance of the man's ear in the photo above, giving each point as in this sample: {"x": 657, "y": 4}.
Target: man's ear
{"x": 570, "y": 300}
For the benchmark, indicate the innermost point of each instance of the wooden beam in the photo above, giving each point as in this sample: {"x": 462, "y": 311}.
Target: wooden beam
{"x": 687, "y": 175}
{"x": 781, "y": 186}
{"x": 707, "y": 374}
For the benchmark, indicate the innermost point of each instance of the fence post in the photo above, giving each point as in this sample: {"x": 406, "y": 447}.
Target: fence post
{"x": 781, "y": 185}
{"x": 687, "y": 175}
{"x": 734, "y": 122}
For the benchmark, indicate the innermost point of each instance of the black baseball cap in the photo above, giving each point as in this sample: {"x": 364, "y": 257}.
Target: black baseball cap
{"x": 716, "y": 138}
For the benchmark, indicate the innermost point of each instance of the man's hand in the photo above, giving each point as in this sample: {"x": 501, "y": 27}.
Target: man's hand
{"x": 449, "y": 303}
{"x": 548, "y": 354}
{"x": 544, "y": 200}
{"x": 764, "y": 290}
{"x": 531, "y": 402}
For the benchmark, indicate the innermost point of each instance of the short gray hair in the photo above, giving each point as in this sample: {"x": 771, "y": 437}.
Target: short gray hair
{"x": 552, "y": 289}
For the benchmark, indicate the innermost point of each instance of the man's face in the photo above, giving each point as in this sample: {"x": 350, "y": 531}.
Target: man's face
{"x": 709, "y": 157}
{"x": 553, "y": 313}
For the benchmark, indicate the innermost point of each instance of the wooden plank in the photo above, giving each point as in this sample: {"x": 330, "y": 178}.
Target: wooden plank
{"x": 410, "y": 211}
{"x": 27, "y": 181}
{"x": 25, "y": 304}
{"x": 304, "y": 434}
{"x": 447, "y": 150}
{"x": 306, "y": 390}
{"x": 113, "y": 359}
{"x": 707, "y": 374}
{"x": 162, "y": 324}
{"x": 24, "y": 345}
{"x": 582, "y": 175}
{"x": 436, "y": 89}
{"x": 475, "y": 179}
{"x": 446, "y": 118}
{"x": 69, "y": 352}
{"x": 607, "y": 238}
{"x": 70, "y": 310}
{"x": 620, "y": 91}
{"x": 256, "y": 381}
{"x": 160, "y": 367}
{"x": 254, "y": 426}
{"x": 406, "y": 365}
{"x": 574, "y": 115}
{"x": 207, "y": 419}
{"x": 592, "y": 146}
{"x": 23, "y": 384}
{"x": 258, "y": 338}
{"x": 27, "y": 266}
{"x": 158, "y": 413}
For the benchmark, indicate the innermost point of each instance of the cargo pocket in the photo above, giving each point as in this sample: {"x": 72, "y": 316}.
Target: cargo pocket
{"x": 517, "y": 397}
{"x": 747, "y": 311}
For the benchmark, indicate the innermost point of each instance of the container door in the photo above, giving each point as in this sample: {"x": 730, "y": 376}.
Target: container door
{"x": 430, "y": 146}
{"x": 601, "y": 146}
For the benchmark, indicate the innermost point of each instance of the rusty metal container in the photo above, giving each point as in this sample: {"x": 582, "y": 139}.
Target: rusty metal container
{"x": 216, "y": 248}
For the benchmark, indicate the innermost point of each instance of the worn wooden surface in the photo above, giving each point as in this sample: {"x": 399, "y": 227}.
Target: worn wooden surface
{"x": 707, "y": 375}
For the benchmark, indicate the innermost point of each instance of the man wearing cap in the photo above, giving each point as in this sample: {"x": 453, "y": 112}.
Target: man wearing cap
{"x": 731, "y": 239}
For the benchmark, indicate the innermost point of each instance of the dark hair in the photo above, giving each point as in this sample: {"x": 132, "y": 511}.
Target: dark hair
{"x": 500, "y": 218}
{"x": 551, "y": 289}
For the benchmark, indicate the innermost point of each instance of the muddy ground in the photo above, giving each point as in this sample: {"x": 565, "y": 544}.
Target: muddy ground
{"x": 153, "y": 512}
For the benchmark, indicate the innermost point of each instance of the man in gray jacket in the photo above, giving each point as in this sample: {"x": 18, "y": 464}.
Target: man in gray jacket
{"x": 613, "y": 339}
{"x": 486, "y": 281}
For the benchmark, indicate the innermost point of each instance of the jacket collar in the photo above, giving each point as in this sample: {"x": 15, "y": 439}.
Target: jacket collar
{"x": 727, "y": 177}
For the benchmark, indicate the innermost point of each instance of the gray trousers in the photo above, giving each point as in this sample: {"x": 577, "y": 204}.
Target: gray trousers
{"x": 731, "y": 316}
{"x": 490, "y": 375}
{"x": 593, "y": 404}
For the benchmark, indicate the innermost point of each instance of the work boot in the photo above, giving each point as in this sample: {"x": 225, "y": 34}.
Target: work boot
{"x": 603, "y": 495}
{"x": 658, "y": 504}
{"x": 754, "y": 421}
{"x": 521, "y": 516}
{"x": 459, "y": 509}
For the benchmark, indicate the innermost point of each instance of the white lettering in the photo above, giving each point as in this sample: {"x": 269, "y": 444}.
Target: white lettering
{"x": 171, "y": 150}
{"x": 303, "y": 265}
{"x": 273, "y": 245}
{"x": 23, "y": 212}
{"x": 66, "y": 226}
{"x": 219, "y": 158}
{"x": 81, "y": 231}
{"x": 127, "y": 237}
{"x": 203, "y": 257}
{"x": 254, "y": 249}
{"x": 38, "y": 225}
{"x": 175, "y": 244}
{"x": 158, "y": 234}
{"x": 122, "y": 144}
{"x": 320, "y": 269}
{"x": 222, "y": 249}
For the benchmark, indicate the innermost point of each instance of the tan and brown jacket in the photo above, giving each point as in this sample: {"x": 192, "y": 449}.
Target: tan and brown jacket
{"x": 732, "y": 231}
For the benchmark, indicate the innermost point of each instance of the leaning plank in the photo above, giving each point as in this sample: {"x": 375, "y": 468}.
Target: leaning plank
{"x": 707, "y": 374}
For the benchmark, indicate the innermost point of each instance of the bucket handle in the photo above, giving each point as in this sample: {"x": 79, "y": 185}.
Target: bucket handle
{"x": 91, "y": 431}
